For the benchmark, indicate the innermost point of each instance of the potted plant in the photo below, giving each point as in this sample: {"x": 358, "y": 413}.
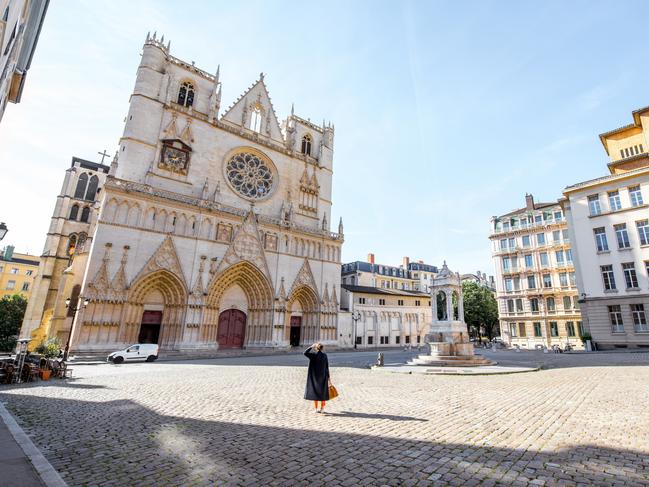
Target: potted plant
{"x": 587, "y": 340}
{"x": 48, "y": 350}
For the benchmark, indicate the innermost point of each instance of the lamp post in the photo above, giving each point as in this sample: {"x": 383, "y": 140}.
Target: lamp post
{"x": 3, "y": 230}
{"x": 356, "y": 315}
{"x": 75, "y": 308}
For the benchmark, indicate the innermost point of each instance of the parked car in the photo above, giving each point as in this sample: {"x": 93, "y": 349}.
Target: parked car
{"x": 139, "y": 351}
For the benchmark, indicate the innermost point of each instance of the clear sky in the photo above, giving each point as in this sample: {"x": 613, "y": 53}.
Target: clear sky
{"x": 446, "y": 113}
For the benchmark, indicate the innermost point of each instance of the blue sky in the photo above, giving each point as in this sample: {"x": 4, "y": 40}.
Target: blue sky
{"x": 446, "y": 113}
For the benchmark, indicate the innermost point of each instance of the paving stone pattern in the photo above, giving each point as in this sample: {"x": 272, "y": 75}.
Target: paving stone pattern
{"x": 227, "y": 423}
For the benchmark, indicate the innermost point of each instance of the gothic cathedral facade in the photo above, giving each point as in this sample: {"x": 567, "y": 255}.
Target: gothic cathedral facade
{"x": 212, "y": 231}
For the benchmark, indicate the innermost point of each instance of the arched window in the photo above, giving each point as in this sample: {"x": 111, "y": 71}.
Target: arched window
{"x": 72, "y": 244}
{"x": 74, "y": 212}
{"x": 85, "y": 214}
{"x": 81, "y": 241}
{"x": 186, "y": 94}
{"x": 81, "y": 186}
{"x": 306, "y": 145}
{"x": 255, "y": 119}
{"x": 92, "y": 188}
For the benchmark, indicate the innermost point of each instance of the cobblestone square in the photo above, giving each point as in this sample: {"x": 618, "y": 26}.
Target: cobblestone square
{"x": 583, "y": 420}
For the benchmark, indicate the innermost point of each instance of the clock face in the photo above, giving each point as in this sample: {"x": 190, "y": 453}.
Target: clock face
{"x": 174, "y": 159}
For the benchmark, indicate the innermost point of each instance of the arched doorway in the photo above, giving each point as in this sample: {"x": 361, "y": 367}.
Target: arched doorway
{"x": 232, "y": 329}
{"x": 304, "y": 316}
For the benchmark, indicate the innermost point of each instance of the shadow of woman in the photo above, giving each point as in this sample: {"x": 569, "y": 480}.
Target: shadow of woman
{"x": 391, "y": 417}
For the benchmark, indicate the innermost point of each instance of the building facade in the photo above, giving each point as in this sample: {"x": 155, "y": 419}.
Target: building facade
{"x": 20, "y": 26}
{"x": 535, "y": 278}
{"x": 17, "y": 273}
{"x": 65, "y": 254}
{"x": 213, "y": 229}
{"x": 386, "y": 304}
{"x": 609, "y": 224}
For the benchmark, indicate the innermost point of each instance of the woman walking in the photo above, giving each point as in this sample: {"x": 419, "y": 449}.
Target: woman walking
{"x": 317, "y": 380}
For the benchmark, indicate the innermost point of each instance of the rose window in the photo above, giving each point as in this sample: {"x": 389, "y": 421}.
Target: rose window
{"x": 249, "y": 175}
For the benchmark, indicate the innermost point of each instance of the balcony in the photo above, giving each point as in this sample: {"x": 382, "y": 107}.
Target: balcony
{"x": 528, "y": 226}
{"x": 507, "y": 250}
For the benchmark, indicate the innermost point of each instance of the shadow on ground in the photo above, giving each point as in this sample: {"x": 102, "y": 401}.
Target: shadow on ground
{"x": 128, "y": 444}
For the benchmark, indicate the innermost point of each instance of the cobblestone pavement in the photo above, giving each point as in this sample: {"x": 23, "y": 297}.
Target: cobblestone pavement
{"x": 244, "y": 422}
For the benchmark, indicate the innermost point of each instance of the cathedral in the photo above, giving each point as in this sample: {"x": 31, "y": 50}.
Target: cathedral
{"x": 209, "y": 230}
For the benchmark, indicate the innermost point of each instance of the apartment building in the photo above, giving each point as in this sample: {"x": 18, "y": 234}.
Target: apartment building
{"x": 17, "y": 272}
{"x": 608, "y": 219}
{"x": 536, "y": 289}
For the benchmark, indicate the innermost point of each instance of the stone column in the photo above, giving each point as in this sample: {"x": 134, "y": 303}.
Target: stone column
{"x": 449, "y": 304}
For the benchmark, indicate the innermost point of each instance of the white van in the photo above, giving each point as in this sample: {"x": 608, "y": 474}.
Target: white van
{"x": 139, "y": 351}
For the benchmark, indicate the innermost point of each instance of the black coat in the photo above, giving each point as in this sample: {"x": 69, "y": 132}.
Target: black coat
{"x": 317, "y": 379}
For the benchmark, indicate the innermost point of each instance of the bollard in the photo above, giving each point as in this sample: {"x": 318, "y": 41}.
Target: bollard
{"x": 379, "y": 360}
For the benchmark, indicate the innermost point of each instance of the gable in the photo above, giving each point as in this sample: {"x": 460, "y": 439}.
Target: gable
{"x": 240, "y": 113}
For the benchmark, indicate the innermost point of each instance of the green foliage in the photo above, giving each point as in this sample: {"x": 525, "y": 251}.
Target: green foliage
{"x": 12, "y": 310}
{"x": 49, "y": 349}
{"x": 480, "y": 309}
{"x": 585, "y": 337}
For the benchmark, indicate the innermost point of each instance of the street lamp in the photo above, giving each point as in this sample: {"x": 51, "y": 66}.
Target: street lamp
{"x": 356, "y": 315}
{"x": 76, "y": 308}
{"x": 3, "y": 230}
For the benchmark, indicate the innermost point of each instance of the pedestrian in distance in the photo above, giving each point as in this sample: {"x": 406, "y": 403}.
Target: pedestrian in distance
{"x": 317, "y": 380}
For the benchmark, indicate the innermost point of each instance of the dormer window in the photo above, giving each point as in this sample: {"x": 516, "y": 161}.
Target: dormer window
{"x": 255, "y": 119}
{"x": 186, "y": 94}
{"x": 306, "y": 145}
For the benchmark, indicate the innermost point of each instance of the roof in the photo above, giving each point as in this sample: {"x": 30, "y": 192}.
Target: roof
{"x": 93, "y": 166}
{"x": 537, "y": 206}
{"x": 603, "y": 179}
{"x": 384, "y": 291}
{"x": 18, "y": 260}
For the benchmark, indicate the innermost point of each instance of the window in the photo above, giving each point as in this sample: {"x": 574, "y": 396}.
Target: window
{"x": 560, "y": 257}
{"x": 397, "y": 340}
{"x": 600, "y": 239}
{"x": 565, "y": 236}
{"x": 370, "y": 340}
{"x": 635, "y": 195}
{"x": 85, "y": 214}
{"x": 569, "y": 256}
{"x": 29, "y": 272}
{"x": 186, "y": 94}
{"x": 575, "y": 302}
{"x": 512, "y": 330}
{"x": 614, "y": 200}
{"x": 517, "y": 283}
{"x": 534, "y": 305}
{"x": 11, "y": 285}
{"x": 521, "y": 330}
{"x": 547, "y": 280}
{"x": 80, "y": 190}
{"x": 615, "y": 316}
{"x": 558, "y": 215}
{"x": 554, "y": 329}
{"x": 563, "y": 279}
{"x": 93, "y": 184}
{"x": 361, "y": 300}
{"x": 400, "y": 302}
{"x": 643, "y": 231}
{"x": 359, "y": 340}
{"x": 630, "y": 277}
{"x": 255, "y": 120}
{"x": 506, "y": 263}
{"x": 519, "y": 305}
{"x": 544, "y": 259}
{"x": 381, "y": 302}
{"x": 580, "y": 328}
{"x": 526, "y": 240}
{"x": 385, "y": 340}
{"x": 609, "y": 277}
{"x": 538, "y": 219}
{"x": 556, "y": 236}
{"x": 510, "y": 305}
{"x": 540, "y": 238}
{"x": 551, "y": 305}
{"x": 639, "y": 317}
{"x": 528, "y": 261}
{"x": 622, "y": 236}
{"x": 593, "y": 205}
{"x": 537, "y": 329}
{"x": 512, "y": 243}
{"x": 571, "y": 277}
{"x": 508, "y": 285}
{"x": 74, "y": 212}
{"x": 25, "y": 286}
{"x": 531, "y": 282}
{"x": 14, "y": 270}
{"x": 503, "y": 244}
{"x": 570, "y": 328}
{"x": 567, "y": 303}
{"x": 418, "y": 339}
{"x": 306, "y": 145}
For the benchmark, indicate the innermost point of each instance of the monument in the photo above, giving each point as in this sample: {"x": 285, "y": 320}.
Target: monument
{"x": 448, "y": 338}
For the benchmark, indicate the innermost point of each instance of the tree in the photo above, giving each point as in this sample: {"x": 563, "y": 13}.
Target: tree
{"x": 12, "y": 310}
{"x": 480, "y": 309}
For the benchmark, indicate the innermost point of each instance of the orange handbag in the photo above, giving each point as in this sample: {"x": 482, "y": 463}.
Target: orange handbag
{"x": 333, "y": 392}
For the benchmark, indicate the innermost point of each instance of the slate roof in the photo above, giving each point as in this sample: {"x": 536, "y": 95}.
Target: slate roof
{"x": 384, "y": 291}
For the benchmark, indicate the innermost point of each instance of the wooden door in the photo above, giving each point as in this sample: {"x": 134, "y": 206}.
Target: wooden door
{"x": 150, "y": 327}
{"x": 232, "y": 329}
{"x": 296, "y": 325}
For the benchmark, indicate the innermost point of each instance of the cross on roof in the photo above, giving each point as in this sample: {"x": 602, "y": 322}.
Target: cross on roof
{"x": 103, "y": 155}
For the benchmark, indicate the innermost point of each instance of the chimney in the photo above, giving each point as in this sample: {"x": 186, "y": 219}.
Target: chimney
{"x": 406, "y": 262}
{"x": 370, "y": 258}
{"x": 529, "y": 201}
{"x": 420, "y": 261}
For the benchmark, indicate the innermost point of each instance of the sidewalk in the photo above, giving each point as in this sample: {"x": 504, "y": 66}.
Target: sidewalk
{"x": 21, "y": 463}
